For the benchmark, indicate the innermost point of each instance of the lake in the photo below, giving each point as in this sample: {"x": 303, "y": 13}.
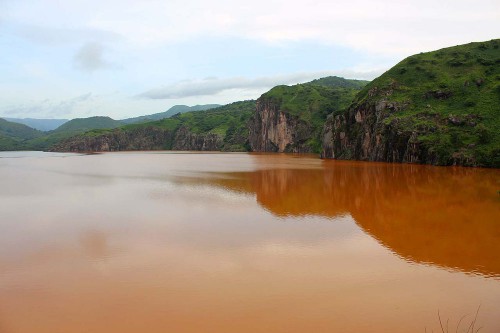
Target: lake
{"x": 188, "y": 242}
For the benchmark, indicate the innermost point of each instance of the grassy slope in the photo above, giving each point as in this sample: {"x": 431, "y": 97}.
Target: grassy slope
{"x": 14, "y": 135}
{"x": 85, "y": 124}
{"x": 312, "y": 102}
{"x": 451, "y": 97}
{"x": 18, "y": 131}
{"x": 169, "y": 113}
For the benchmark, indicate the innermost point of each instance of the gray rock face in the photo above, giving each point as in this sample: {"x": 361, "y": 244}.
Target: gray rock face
{"x": 144, "y": 138}
{"x": 273, "y": 130}
{"x": 186, "y": 140}
{"x": 362, "y": 134}
{"x": 148, "y": 138}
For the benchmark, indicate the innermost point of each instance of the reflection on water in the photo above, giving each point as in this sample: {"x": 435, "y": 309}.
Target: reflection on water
{"x": 445, "y": 216}
{"x": 166, "y": 242}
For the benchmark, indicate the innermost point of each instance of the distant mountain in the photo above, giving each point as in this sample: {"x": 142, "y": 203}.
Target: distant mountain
{"x": 169, "y": 113}
{"x": 86, "y": 124}
{"x": 39, "y": 124}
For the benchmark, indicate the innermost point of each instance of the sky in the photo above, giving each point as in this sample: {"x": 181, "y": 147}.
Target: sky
{"x": 125, "y": 58}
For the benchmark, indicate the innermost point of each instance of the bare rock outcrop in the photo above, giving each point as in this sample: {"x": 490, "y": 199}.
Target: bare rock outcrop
{"x": 274, "y": 130}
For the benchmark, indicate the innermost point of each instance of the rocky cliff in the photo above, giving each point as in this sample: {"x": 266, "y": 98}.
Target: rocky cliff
{"x": 186, "y": 140}
{"x": 290, "y": 118}
{"x": 142, "y": 138}
{"x": 439, "y": 108}
{"x": 367, "y": 132}
{"x": 274, "y": 130}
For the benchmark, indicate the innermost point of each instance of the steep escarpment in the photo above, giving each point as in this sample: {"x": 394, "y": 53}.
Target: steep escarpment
{"x": 274, "y": 130}
{"x": 290, "y": 118}
{"x": 440, "y": 108}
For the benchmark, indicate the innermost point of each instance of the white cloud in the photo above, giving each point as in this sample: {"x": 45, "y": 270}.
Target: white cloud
{"x": 383, "y": 26}
{"x": 90, "y": 57}
{"x": 214, "y": 86}
{"x": 50, "y": 109}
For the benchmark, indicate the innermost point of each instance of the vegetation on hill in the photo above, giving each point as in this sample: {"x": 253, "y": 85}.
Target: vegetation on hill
{"x": 169, "y": 113}
{"x": 67, "y": 130}
{"x": 227, "y": 123}
{"x": 17, "y": 131}
{"x": 14, "y": 135}
{"x": 447, "y": 101}
{"x": 85, "y": 124}
{"x": 339, "y": 82}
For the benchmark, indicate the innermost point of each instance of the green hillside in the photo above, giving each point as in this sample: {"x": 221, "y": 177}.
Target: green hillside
{"x": 69, "y": 129}
{"x": 169, "y": 113}
{"x": 86, "y": 124}
{"x": 10, "y": 144}
{"x": 339, "y": 82}
{"x": 17, "y": 131}
{"x": 443, "y": 105}
{"x": 13, "y": 136}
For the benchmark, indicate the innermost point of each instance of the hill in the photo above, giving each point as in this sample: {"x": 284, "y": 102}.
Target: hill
{"x": 291, "y": 118}
{"x": 39, "y": 124}
{"x": 440, "y": 107}
{"x": 223, "y": 128}
{"x": 13, "y": 136}
{"x": 169, "y": 113}
{"x": 17, "y": 131}
{"x": 69, "y": 129}
{"x": 85, "y": 124}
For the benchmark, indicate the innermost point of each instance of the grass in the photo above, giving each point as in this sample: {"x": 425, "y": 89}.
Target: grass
{"x": 470, "y": 328}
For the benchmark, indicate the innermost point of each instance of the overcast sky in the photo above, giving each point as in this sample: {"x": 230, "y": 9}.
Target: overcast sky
{"x": 124, "y": 58}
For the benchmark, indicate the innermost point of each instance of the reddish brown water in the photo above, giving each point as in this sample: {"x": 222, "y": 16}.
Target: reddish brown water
{"x": 165, "y": 242}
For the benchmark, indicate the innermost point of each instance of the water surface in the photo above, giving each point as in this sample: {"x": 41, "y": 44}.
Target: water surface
{"x": 171, "y": 242}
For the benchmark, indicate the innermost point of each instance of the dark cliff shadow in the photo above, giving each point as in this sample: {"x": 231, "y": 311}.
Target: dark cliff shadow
{"x": 448, "y": 217}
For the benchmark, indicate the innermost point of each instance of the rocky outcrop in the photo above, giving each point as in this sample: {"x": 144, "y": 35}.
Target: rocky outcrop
{"x": 186, "y": 140}
{"x": 141, "y": 138}
{"x": 374, "y": 132}
{"x": 362, "y": 133}
{"x": 274, "y": 130}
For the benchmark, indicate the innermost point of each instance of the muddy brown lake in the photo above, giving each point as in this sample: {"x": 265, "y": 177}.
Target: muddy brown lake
{"x": 187, "y": 242}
